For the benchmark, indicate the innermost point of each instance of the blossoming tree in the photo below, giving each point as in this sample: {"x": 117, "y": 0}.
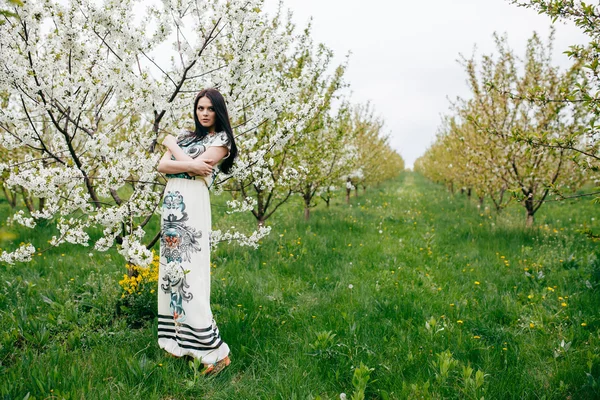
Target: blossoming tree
{"x": 264, "y": 186}
{"x": 87, "y": 96}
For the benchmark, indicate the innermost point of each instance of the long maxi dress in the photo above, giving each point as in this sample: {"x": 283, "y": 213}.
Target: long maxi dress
{"x": 185, "y": 321}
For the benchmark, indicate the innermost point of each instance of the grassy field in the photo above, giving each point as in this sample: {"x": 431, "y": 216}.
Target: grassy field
{"x": 410, "y": 292}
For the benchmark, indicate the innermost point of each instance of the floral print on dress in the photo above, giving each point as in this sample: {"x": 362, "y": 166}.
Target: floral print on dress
{"x": 178, "y": 241}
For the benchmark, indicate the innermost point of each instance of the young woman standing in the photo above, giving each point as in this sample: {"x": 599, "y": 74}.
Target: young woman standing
{"x": 185, "y": 321}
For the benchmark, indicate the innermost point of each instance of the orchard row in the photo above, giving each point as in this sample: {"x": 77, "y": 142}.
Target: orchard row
{"x": 529, "y": 131}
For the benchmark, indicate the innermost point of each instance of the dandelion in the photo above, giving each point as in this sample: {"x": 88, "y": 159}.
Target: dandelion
{"x": 531, "y": 325}
{"x": 476, "y": 337}
{"x": 563, "y": 304}
{"x": 583, "y": 324}
{"x": 504, "y": 348}
{"x": 350, "y": 286}
{"x": 477, "y": 283}
{"x": 530, "y": 296}
{"x": 550, "y": 289}
{"x": 459, "y": 321}
{"x": 451, "y": 304}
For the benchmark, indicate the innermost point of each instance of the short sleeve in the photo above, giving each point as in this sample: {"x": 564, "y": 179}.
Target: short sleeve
{"x": 183, "y": 134}
{"x": 221, "y": 140}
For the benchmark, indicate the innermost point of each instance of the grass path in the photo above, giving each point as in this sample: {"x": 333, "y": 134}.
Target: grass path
{"x": 438, "y": 298}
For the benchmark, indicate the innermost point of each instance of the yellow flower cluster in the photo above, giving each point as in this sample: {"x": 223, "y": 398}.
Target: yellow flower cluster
{"x": 140, "y": 278}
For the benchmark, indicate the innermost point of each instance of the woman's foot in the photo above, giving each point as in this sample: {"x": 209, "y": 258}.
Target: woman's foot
{"x": 215, "y": 368}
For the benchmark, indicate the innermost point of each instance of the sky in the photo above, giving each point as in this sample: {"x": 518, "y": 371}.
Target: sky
{"x": 404, "y": 53}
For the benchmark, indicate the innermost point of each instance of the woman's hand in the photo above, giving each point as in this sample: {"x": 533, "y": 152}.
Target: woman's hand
{"x": 200, "y": 167}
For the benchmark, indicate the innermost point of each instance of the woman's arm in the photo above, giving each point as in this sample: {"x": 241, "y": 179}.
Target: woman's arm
{"x": 213, "y": 155}
{"x": 170, "y": 142}
{"x": 193, "y": 167}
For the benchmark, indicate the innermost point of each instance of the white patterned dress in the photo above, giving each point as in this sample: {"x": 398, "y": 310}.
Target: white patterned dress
{"x": 185, "y": 322}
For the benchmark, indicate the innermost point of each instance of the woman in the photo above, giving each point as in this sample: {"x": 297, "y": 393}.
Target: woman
{"x": 185, "y": 321}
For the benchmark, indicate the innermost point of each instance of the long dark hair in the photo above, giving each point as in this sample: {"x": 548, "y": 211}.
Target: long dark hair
{"x": 222, "y": 124}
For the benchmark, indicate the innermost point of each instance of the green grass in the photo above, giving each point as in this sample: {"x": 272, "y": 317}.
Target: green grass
{"x": 410, "y": 281}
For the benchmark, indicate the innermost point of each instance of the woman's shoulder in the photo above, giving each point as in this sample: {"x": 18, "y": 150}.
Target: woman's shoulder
{"x": 221, "y": 139}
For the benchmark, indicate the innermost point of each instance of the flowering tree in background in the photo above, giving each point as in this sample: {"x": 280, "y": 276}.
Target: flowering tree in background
{"x": 479, "y": 142}
{"x": 324, "y": 156}
{"x": 583, "y": 143}
{"x": 265, "y": 186}
{"x": 375, "y": 160}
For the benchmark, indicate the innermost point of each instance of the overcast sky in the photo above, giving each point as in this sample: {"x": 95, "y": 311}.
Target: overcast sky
{"x": 404, "y": 52}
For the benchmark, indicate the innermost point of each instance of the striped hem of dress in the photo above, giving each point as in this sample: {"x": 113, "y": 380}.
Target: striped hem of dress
{"x": 168, "y": 330}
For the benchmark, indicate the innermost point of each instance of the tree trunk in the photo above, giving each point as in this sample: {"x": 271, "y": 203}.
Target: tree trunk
{"x": 10, "y": 197}
{"x": 530, "y": 220}
{"x": 481, "y": 199}
{"x": 469, "y": 193}
{"x": 347, "y": 196}
{"x": 327, "y": 201}
{"x": 530, "y": 211}
{"x": 306, "y": 208}
{"x": 28, "y": 200}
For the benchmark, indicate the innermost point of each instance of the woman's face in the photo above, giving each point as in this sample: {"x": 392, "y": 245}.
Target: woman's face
{"x": 206, "y": 113}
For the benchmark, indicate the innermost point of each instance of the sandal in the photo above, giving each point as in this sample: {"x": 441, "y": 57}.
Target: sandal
{"x": 215, "y": 368}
